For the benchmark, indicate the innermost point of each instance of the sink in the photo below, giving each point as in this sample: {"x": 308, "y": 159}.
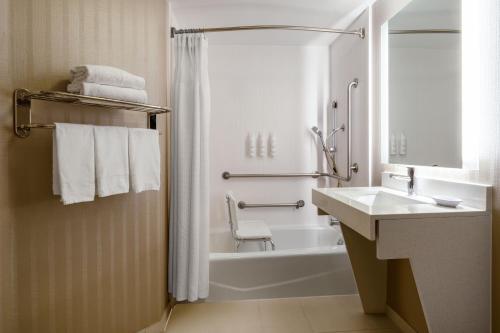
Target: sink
{"x": 385, "y": 223}
{"x": 361, "y": 207}
{"x": 386, "y": 199}
{"x": 379, "y": 197}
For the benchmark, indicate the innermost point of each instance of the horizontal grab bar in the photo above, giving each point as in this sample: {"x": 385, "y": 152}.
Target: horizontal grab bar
{"x": 298, "y": 204}
{"x": 228, "y": 175}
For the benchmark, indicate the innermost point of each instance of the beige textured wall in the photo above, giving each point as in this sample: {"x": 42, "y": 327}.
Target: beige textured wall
{"x": 92, "y": 267}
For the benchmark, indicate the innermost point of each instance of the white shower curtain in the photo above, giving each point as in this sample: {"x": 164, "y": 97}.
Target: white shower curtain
{"x": 189, "y": 211}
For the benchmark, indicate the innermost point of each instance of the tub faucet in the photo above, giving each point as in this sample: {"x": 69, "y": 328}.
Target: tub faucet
{"x": 409, "y": 178}
{"x": 333, "y": 221}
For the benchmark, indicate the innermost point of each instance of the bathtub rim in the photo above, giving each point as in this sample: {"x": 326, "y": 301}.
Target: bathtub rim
{"x": 315, "y": 226}
{"x": 306, "y": 251}
{"x": 324, "y": 250}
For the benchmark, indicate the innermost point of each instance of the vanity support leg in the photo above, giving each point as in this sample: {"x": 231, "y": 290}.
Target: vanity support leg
{"x": 370, "y": 273}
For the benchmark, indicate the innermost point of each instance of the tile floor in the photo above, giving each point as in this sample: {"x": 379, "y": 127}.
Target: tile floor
{"x": 326, "y": 314}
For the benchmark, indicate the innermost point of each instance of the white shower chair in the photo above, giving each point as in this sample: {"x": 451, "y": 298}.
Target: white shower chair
{"x": 256, "y": 231}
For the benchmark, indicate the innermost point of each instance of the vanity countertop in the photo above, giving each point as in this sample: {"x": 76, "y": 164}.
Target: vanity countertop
{"x": 361, "y": 207}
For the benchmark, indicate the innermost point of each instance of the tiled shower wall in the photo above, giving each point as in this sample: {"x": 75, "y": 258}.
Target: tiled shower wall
{"x": 91, "y": 267}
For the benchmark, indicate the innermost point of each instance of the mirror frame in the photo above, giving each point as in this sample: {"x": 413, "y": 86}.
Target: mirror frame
{"x": 382, "y": 12}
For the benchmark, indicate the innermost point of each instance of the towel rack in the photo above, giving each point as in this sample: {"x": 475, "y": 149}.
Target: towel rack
{"x": 297, "y": 205}
{"x": 22, "y": 107}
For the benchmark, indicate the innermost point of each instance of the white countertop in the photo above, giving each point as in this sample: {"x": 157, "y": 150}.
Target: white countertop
{"x": 361, "y": 207}
{"x": 427, "y": 207}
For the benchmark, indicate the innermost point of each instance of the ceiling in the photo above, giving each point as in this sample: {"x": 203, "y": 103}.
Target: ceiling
{"x": 219, "y": 13}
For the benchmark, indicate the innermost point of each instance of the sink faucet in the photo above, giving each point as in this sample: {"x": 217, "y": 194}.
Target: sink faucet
{"x": 409, "y": 178}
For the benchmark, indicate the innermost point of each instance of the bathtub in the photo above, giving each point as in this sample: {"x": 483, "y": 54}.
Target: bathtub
{"x": 308, "y": 261}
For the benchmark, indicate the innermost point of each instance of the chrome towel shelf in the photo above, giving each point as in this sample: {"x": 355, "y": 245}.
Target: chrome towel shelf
{"x": 22, "y": 107}
{"x": 297, "y": 205}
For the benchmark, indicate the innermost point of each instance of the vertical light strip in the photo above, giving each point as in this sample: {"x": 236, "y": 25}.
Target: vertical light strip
{"x": 471, "y": 83}
{"x": 384, "y": 92}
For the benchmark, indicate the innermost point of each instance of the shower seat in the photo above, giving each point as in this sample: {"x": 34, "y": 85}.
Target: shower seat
{"x": 250, "y": 230}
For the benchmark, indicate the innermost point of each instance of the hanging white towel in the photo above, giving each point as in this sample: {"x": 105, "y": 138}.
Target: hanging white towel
{"x": 107, "y": 75}
{"x": 144, "y": 156}
{"x": 73, "y": 163}
{"x": 101, "y": 90}
{"x": 111, "y": 160}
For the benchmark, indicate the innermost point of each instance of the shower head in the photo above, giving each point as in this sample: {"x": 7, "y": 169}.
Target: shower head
{"x": 329, "y": 154}
{"x": 317, "y": 131}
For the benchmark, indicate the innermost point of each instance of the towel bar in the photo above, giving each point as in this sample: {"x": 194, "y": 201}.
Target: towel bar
{"x": 298, "y": 204}
{"x": 22, "y": 107}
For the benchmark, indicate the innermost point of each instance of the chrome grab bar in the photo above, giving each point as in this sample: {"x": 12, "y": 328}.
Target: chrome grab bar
{"x": 354, "y": 166}
{"x": 228, "y": 175}
{"x": 424, "y": 31}
{"x": 350, "y": 167}
{"x": 297, "y": 205}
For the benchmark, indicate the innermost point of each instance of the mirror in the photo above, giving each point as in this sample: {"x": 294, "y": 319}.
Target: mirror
{"x": 423, "y": 101}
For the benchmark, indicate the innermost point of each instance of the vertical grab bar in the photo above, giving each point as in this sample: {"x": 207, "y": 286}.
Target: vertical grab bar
{"x": 350, "y": 167}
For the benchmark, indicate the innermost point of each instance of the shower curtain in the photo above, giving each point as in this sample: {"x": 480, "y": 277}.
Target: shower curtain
{"x": 189, "y": 211}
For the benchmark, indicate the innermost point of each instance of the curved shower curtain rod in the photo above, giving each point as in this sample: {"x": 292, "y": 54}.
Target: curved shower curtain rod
{"x": 360, "y": 32}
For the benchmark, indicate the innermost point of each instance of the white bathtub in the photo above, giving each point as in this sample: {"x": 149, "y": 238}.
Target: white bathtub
{"x": 307, "y": 262}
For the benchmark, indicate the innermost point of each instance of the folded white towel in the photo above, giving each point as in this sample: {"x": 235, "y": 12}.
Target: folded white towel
{"x": 144, "y": 156}
{"x": 73, "y": 163}
{"x": 107, "y": 75}
{"x": 111, "y": 160}
{"x": 100, "y": 90}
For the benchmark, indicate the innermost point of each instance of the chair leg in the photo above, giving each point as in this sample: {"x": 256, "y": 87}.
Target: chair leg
{"x": 238, "y": 243}
{"x": 265, "y": 246}
{"x": 273, "y": 246}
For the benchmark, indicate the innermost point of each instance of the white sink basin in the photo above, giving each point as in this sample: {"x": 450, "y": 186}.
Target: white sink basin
{"x": 379, "y": 197}
{"x": 360, "y": 207}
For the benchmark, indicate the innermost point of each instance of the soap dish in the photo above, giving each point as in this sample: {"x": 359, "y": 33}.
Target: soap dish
{"x": 447, "y": 201}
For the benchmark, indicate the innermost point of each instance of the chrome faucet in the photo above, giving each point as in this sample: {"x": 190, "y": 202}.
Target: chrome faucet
{"x": 409, "y": 178}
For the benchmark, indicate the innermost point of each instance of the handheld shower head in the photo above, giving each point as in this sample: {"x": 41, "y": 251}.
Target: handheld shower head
{"x": 317, "y": 131}
{"x": 329, "y": 154}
